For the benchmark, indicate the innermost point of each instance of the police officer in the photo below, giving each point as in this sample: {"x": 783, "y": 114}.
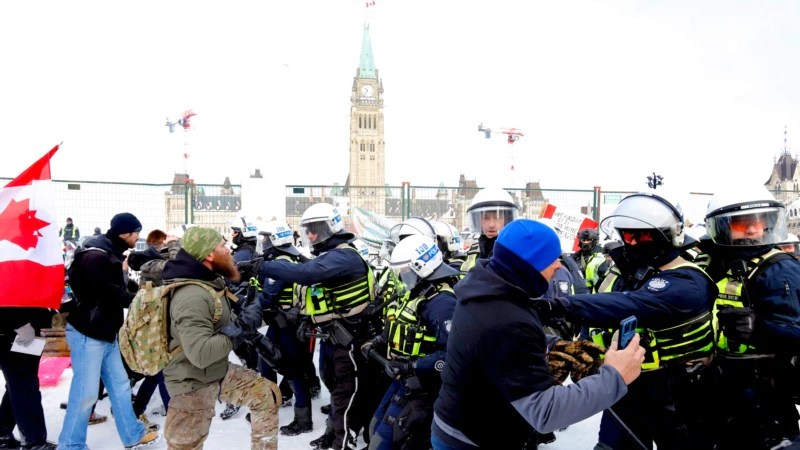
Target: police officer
{"x": 672, "y": 299}
{"x": 491, "y": 210}
{"x": 69, "y": 232}
{"x": 449, "y": 241}
{"x": 281, "y": 310}
{"x": 791, "y": 245}
{"x": 245, "y": 238}
{"x": 758, "y": 318}
{"x": 337, "y": 286}
{"x": 417, "y": 342}
{"x": 589, "y": 257}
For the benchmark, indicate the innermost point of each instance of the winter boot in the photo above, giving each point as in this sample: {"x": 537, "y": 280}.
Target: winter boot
{"x": 325, "y": 409}
{"x": 95, "y": 418}
{"x": 9, "y": 443}
{"x": 230, "y": 411}
{"x": 150, "y": 438}
{"x": 41, "y": 446}
{"x": 301, "y": 423}
{"x": 326, "y": 440}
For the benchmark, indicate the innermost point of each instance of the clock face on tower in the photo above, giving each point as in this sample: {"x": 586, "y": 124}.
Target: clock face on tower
{"x": 366, "y": 90}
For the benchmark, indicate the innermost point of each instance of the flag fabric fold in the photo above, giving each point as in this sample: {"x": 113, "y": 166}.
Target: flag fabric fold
{"x": 31, "y": 261}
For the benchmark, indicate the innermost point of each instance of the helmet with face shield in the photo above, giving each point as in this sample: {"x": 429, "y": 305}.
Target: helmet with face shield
{"x": 318, "y": 223}
{"x": 491, "y": 209}
{"x": 448, "y": 235}
{"x": 276, "y": 233}
{"x": 412, "y": 226}
{"x": 363, "y": 248}
{"x": 417, "y": 258}
{"x": 649, "y": 227}
{"x": 746, "y": 217}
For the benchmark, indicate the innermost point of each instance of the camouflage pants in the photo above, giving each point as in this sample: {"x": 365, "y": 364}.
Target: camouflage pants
{"x": 189, "y": 416}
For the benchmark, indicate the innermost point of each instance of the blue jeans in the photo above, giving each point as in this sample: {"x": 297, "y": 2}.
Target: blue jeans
{"x": 91, "y": 360}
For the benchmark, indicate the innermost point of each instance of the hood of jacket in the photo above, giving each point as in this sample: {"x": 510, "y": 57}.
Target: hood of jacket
{"x": 185, "y": 267}
{"x": 483, "y": 283}
{"x": 113, "y": 245}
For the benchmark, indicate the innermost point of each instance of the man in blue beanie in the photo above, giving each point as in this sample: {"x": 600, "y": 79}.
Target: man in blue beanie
{"x": 497, "y": 390}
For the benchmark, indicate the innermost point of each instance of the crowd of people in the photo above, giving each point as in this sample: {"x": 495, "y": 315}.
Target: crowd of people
{"x": 433, "y": 347}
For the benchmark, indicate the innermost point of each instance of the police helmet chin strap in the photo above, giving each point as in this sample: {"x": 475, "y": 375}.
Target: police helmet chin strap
{"x": 643, "y": 272}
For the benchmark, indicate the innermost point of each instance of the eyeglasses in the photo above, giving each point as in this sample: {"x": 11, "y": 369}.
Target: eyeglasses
{"x": 638, "y": 236}
{"x": 743, "y": 223}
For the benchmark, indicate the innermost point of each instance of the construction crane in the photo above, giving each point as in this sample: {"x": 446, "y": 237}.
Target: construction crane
{"x": 185, "y": 122}
{"x": 513, "y": 133}
{"x": 512, "y": 136}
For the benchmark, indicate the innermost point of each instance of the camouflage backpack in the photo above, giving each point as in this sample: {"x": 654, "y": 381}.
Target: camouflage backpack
{"x": 143, "y": 338}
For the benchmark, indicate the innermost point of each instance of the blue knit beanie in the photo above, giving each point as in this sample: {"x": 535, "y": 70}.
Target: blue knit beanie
{"x": 532, "y": 242}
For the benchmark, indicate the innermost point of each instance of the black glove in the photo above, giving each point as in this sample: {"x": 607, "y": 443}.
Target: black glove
{"x": 248, "y": 319}
{"x": 400, "y": 369}
{"x": 269, "y": 352}
{"x": 740, "y": 325}
{"x": 551, "y": 308}
{"x": 366, "y": 347}
{"x": 303, "y": 328}
{"x": 293, "y": 315}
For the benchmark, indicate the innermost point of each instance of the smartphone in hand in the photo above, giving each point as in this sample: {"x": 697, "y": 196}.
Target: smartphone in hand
{"x": 627, "y": 330}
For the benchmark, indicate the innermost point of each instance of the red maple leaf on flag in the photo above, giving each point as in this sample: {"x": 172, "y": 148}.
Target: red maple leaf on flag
{"x": 19, "y": 225}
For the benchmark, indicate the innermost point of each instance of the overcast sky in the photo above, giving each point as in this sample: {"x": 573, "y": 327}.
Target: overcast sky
{"x": 606, "y": 92}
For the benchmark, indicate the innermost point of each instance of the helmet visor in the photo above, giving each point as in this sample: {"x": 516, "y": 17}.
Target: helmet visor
{"x": 314, "y": 233}
{"x": 632, "y": 230}
{"x": 748, "y": 228}
{"x": 489, "y": 220}
{"x": 406, "y": 276}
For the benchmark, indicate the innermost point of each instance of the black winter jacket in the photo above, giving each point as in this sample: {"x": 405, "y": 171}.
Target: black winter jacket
{"x": 495, "y": 354}
{"x": 96, "y": 278}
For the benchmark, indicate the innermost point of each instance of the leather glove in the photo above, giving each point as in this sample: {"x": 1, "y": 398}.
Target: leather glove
{"x": 248, "y": 319}
{"x": 303, "y": 328}
{"x": 400, "y": 369}
{"x": 740, "y": 325}
{"x": 377, "y": 341}
{"x": 25, "y": 335}
{"x": 585, "y": 352}
{"x": 551, "y": 308}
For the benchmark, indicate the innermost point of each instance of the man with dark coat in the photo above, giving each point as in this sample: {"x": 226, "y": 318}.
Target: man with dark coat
{"x": 98, "y": 282}
{"x": 497, "y": 389}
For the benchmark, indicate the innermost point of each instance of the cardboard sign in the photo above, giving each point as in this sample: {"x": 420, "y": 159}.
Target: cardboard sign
{"x": 568, "y": 224}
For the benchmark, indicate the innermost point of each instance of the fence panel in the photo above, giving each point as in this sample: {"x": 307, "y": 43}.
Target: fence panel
{"x": 387, "y": 201}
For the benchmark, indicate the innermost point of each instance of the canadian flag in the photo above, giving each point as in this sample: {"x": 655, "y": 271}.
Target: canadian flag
{"x": 31, "y": 262}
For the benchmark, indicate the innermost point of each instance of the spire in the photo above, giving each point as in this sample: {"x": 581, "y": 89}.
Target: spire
{"x": 785, "y": 141}
{"x": 366, "y": 67}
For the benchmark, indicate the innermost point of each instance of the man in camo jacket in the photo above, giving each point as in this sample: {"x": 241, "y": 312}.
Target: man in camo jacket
{"x": 202, "y": 324}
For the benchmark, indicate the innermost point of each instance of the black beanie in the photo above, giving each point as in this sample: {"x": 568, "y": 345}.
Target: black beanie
{"x": 124, "y": 223}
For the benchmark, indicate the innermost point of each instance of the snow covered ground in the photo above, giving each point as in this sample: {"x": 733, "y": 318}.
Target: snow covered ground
{"x": 233, "y": 434}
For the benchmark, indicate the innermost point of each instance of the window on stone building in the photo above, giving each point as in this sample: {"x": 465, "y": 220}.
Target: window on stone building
{"x": 363, "y": 146}
{"x": 362, "y": 158}
{"x": 372, "y": 148}
{"x": 372, "y": 157}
